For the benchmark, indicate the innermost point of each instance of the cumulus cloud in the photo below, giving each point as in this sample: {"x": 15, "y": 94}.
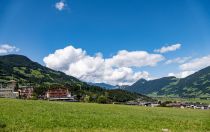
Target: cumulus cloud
{"x": 165, "y": 49}
{"x": 179, "y": 60}
{"x": 115, "y": 70}
{"x": 134, "y": 59}
{"x": 60, "y": 5}
{"x": 6, "y": 48}
{"x": 62, "y": 58}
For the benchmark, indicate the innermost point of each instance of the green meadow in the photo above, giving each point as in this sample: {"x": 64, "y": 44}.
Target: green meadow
{"x": 35, "y": 115}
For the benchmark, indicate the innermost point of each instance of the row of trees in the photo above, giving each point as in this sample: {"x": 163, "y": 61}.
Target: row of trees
{"x": 100, "y": 99}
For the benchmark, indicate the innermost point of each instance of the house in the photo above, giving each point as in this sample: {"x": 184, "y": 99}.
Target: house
{"x": 150, "y": 104}
{"x": 195, "y": 105}
{"x": 132, "y": 103}
{"x": 26, "y": 92}
{"x": 176, "y": 105}
{"x": 201, "y": 106}
{"x": 58, "y": 94}
{"x": 154, "y": 104}
{"x": 7, "y": 90}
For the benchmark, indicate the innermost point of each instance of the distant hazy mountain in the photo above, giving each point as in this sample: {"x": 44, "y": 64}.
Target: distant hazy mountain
{"x": 121, "y": 86}
{"x": 103, "y": 85}
{"x": 108, "y": 86}
{"x": 195, "y": 85}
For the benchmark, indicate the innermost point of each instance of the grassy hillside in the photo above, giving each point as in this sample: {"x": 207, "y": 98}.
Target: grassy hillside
{"x": 26, "y": 115}
{"x": 195, "y": 85}
{"x": 152, "y": 86}
{"x": 25, "y": 71}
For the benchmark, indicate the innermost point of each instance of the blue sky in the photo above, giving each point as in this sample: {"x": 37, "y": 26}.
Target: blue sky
{"x": 38, "y": 29}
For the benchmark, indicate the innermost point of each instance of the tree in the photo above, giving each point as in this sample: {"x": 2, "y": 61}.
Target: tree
{"x": 102, "y": 99}
{"x": 87, "y": 99}
{"x": 16, "y": 87}
{"x": 41, "y": 89}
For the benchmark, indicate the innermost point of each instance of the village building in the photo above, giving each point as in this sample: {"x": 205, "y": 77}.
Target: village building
{"x": 177, "y": 105}
{"x": 149, "y": 104}
{"x": 131, "y": 103}
{"x": 26, "y": 92}
{"x": 188, "y": 105}
{"x": 7, "y": 90}
{"x": 58, "y": 94}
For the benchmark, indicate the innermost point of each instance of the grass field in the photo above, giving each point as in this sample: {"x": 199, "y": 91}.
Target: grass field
{"x": 28, "y": 115}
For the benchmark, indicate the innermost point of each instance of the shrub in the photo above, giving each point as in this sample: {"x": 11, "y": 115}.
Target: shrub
{"x": 87, "y": 99}
{"x": 102, "y": 99}
{"x": 2, "y": 125}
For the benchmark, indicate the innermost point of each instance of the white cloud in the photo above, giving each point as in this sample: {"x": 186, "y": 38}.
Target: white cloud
{"x": 60, "y": 5}
{"x": 179, "y": 60}
{"x": 61, "y": 59}
{"x": 134, "y": 59}
{"x": 114, "y": 70}
{"x": 196, "y": 64}
{"x": 192, "y": 66}
{"x": 165, "y": 49}
{"x": 181, "y": 74}
{"x": 6, "y": 48}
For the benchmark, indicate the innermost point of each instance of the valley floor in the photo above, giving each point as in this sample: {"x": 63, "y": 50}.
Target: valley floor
{"x": 194, "y": 100}
{"x": 30, "y": 115}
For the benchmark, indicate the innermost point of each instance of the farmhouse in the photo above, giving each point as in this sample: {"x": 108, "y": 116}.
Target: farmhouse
{"x": 25, "y": 92}
{"x": 7, "y": 90}
{"x": 58, "y": 94}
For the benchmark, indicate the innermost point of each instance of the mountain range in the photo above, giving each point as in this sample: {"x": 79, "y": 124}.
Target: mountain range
{"x": 103, "y": 85}
{"x": 108, "y": 86}
{"x": 195, "y": 85}
{"x": 25, "y": 72}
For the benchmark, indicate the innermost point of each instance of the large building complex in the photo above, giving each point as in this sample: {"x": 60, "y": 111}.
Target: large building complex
{"x": 7, "y": 90}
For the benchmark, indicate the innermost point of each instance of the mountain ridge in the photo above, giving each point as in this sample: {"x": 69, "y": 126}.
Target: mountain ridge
{"x": 21, "y": 67}
{"x": 194, "y": 85}
{"x": 26, "y": 71}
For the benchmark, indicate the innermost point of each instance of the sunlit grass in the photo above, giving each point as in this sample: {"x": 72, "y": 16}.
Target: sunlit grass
{"x": 25, "y": 115}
